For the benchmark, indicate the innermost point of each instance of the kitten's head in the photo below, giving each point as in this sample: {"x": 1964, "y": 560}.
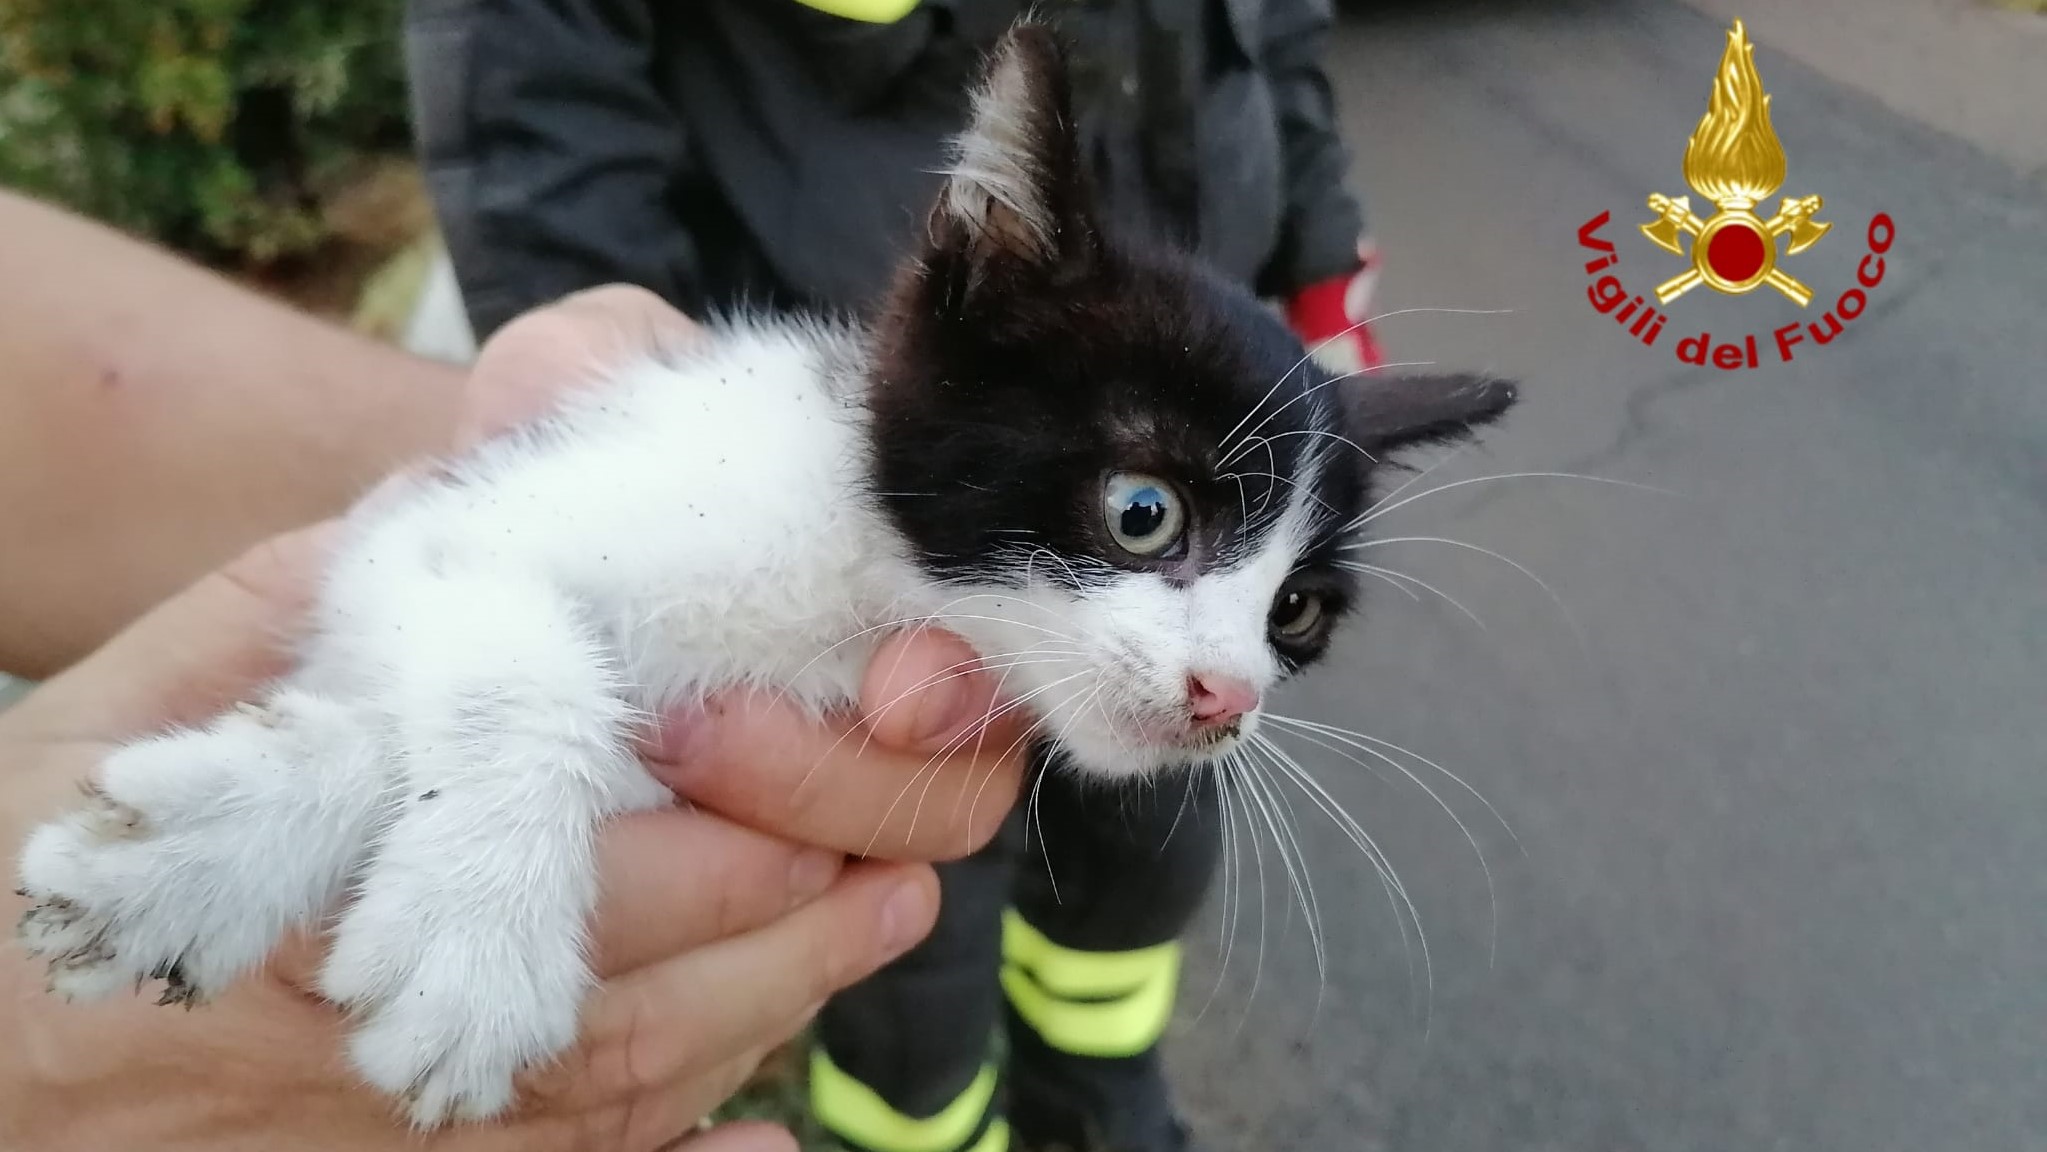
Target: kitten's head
{"x": 1129, "y": 475}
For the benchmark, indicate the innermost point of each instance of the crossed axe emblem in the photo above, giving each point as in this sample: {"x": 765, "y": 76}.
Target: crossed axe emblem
{"x": 1674, "y": 217}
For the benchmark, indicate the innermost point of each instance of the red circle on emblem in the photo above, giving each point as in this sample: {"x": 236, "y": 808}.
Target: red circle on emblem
{"x": 1736, "y": 252}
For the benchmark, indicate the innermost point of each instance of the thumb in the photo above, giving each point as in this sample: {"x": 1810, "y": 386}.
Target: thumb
{"x": 526, "y": 368}
{"x": 196, "y": 652}
{"x": 924, "y": 690}
{"x": 747, "y": 1136}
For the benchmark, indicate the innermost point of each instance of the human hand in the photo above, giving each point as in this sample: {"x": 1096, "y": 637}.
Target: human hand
{"x": 714, "y": 942}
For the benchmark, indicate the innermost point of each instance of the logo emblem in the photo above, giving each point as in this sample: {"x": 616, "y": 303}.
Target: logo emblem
{"x": 1735, "y": 161}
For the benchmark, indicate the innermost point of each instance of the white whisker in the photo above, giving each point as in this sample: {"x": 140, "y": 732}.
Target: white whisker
{"x": 1231, "y": 880}
{"x": 1277, "y": 479}
{"x": 1382, "y": 508}
{"x": 1035, "y": 816}
{"x": 1296, "y": 862}
{"x": 1341, "y": 439}
{"x": 1312, "y": 352}
{"x": 1321, "y": 735}
{"x": 1022, "y": 658}
{"x": 1453, "y": 777}
{"x": 1396, "y": 892}
{"x": 1569, "y": 619}
{"x": 1383, "y": 574}
{"x": 933, "y": 764}
{"x": 1394, "y": 577}
{"x": 1250, "y": 799}
{"x": 1312, "y": 389}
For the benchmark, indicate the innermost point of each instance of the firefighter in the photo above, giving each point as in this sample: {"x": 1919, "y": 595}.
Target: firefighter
{"x": 780, "y": 154}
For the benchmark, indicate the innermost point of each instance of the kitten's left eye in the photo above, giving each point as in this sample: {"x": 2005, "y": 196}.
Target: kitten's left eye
{"x": 1144, "y": 513}
{"x": 1296, "y": 615}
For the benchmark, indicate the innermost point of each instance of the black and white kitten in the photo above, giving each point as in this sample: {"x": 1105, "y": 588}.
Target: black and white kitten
{"x": 1119, "y": 478}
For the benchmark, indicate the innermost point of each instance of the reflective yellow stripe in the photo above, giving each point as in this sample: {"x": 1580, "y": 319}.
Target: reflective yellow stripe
{"x": 866, "y": 11}
{"x": 1077, "y": 975}
{"x": 1089, "y": 1003}
{"x": 995, "y": 1139}
{"x": 853, "y": 1110}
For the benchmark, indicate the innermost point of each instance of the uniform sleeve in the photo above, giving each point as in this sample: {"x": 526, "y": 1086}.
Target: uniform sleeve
{"x": 549, "y": 150}
{"x": 1323, "y": 221}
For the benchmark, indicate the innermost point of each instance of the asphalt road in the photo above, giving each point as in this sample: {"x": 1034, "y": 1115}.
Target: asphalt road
{"x": 1777, "y": 774}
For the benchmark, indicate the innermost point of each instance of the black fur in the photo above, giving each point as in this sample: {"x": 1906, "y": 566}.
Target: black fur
{"x": 1012, "y": 376}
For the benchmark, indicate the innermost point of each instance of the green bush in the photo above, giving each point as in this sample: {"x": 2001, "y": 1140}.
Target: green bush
{"x": 216, "y": 126}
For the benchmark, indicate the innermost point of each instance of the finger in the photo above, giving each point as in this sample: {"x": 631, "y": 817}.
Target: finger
{"x": 691, "y": 1101}
{"x": 690, "y": 1007}
{"x": 923, "y": 690}
{"x": 671, "y": 881}
{"x": 526, "y": 367}
{"x": 671, "y": 1117}
{"x": 745, "y": 1136}
{"x": 761, "y": 761}
{"x": 699, "y": 1009}
{"x": 930, "y": 775}
{"x": 676, "y": 880}
{"x": 197, "y": 652}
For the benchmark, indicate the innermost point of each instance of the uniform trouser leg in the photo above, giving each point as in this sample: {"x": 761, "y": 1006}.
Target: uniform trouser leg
{"x": 1116, "y": 867}
{"x": 1093, "y": 958}
{"x": 1065, "y": 926}
{"x": 904, "y": 1058}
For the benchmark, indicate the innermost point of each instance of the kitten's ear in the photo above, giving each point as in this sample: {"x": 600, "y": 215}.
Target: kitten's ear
{"x": 1385, "y": 415}
{"x": 1016, "y": 198}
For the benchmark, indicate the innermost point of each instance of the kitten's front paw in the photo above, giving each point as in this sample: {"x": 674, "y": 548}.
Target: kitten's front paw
{"x": 195, "y": 849}
{"x": 452, "y": 1038}
{"x": 455, "y": 989}
{"x": 73, "y": 942}
{"x": 84, "y": 875}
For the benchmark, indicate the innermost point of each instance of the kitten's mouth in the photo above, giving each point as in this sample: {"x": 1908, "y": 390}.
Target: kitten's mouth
{"x": 1189, "y": 741}
{"x": 1205, "y": 745}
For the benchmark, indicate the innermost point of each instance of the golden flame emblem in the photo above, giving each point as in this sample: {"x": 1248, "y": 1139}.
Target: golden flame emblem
{"x": 1735, "y": 160}
{"x": 1734, "y": 157}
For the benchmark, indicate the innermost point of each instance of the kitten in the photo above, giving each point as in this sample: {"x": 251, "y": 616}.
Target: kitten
{"x": 1119, "y": 478}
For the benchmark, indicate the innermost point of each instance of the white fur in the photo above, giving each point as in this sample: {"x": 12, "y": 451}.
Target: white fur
{"x": 436, "y": 769}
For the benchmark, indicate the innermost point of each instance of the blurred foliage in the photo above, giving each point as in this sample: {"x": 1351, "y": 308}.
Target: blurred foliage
{"x": 216, "y": 126}
{"x": 779, "y": 1092}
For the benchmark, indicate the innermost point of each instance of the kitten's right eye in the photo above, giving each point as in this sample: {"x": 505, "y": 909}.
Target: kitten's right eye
{"x": 1296, "y": 615}
{"x": 1144, "y": 514}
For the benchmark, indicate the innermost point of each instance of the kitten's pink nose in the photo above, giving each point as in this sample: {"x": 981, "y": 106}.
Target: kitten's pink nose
{"x": 1214, "y": 700}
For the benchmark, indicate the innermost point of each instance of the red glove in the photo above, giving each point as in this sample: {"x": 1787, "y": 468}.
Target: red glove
{"x": 1330, "y": 316}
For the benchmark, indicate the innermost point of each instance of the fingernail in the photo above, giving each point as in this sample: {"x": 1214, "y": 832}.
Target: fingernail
{"x": 902, "y": 919}
{"x": 676, "y": 747}
{"x": 940, "y": 709}
{"x": 812, "y": 872}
